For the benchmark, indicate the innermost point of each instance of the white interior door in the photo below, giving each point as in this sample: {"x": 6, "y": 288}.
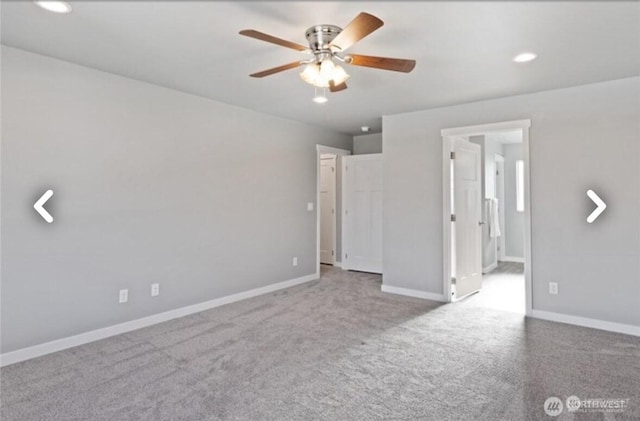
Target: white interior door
{"x": 362, "y": 219}
{"x": 467, "y": 208}
{"x": 327, "y": 209}
{"x": 501, "y": 204}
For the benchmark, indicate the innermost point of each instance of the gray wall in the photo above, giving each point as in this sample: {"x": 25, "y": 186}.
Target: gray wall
{"x": 513, "y": 220}
{"x": 151, "y": 185}
{"x": 582, "y": 137}
{"x": 367, "y": 143}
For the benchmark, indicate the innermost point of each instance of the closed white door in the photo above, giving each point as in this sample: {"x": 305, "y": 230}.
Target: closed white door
{"x": 362, "y": 219}
{"x": 467, "y": 229}
{"x": 327, "y": 210}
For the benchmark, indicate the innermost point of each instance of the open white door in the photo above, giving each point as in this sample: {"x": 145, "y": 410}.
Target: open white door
{"x": 362, "y": 219}
{"x": 327, "y": 209}
{"x": 467, "y": 214}
{"x": 501, "y": 205}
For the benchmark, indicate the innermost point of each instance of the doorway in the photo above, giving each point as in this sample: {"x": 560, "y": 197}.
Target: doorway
{"x": 328, "y": 205}
{"x": 486, "y": 194}
{"x": 327, "y": 208}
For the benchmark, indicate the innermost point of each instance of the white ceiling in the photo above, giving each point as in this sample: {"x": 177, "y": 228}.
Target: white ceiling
{"x": 463, "y": 50}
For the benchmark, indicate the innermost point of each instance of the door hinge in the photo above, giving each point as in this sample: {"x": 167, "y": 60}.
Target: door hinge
{"x": 332, "y": 169}
{"x": 453, "y": 218}
{"x": 332, "y": 253}
{"x": 346, "y": 255}
{"x": 332, "y": 211}
{"x": 346, "y": 168}
{"x": 346, "y": 212}
{"x": 453, "y": 281}
{"x": 453, "y": 155}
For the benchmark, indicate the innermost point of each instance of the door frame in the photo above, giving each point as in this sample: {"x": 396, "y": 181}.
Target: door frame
{"x": 323, "y": 149}
{"x": 447, "y": 147}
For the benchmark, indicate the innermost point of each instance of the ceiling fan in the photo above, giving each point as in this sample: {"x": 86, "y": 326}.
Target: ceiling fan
{"x": 329, "y": 42}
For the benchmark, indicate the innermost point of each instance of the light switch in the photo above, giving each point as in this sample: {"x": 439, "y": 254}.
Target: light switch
{"x": 310, "y": 206}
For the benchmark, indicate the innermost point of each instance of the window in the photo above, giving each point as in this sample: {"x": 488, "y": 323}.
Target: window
{"x": 520, "y": 186}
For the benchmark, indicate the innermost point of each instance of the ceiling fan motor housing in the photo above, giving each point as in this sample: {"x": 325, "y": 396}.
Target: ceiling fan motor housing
{"x": 319, "y": 37}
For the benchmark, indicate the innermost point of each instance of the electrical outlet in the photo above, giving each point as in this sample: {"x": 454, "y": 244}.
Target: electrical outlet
{"x": 155, "y": 290}
{"x": 553, "y": 288}
{"x": 124, "y": 296}
{"x": 295, "y": 261}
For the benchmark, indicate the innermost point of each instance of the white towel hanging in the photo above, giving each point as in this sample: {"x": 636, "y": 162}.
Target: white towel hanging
{"x": 494, "y": 218}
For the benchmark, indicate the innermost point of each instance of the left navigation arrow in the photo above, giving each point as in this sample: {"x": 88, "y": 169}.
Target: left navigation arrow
{"x": 38, "y": 206}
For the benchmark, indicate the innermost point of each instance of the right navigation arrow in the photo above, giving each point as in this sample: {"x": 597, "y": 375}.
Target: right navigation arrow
{"x": 601, "y": 206}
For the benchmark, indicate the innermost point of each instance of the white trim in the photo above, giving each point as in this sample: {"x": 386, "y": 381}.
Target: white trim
{"x": 413, "y": 293}
{"x": 447, "y": 136}
{"x": 583, "y": 321}
{"x": 106, "y": 332}
{"x": 337, "y": 264}
{"x": 528, "y": 279}
{"x": 489, "y": 268}
{"x": 512, "y": 259}
{"x": 505, "y": 126}
{"x": 320, "y": 149}
{"x": 447, "y": 148}
{"x": 329, "y": 149}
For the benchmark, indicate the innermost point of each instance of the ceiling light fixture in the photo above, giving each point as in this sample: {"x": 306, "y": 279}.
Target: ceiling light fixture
{"x": 320, "y": 96}
{"x": 525, "y": 57}
{"x": 365, "y": 129}
{"x": 322, "y": 74}
{"x": 55, "y": 6}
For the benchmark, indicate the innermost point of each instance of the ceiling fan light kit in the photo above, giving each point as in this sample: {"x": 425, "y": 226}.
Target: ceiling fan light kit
{"x": 326, "y": 43}
{"x": 321, "y": 75}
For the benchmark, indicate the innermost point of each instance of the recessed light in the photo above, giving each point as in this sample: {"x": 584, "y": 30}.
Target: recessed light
{"x": 525, "y": 57}
{"x": 55, "y": 6}
{"x": 365, "y": 129}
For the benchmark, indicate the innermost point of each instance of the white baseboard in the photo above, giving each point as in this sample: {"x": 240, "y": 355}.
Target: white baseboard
{"x": 95, "y": 335}
{"x": 585, "y": 322}
{"x": 512, "y": 259}
{"x": 337, "y": 264}
{"x": 412, "y": 293}
{"x": 490, "y": 267}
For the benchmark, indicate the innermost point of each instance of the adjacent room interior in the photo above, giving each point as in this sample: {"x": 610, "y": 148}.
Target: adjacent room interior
{"x": 293, "y": 210}
{"x": 503, "y": 222}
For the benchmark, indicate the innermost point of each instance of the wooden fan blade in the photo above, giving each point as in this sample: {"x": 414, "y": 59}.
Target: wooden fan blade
{"x": 360, "y": 27}
{"x": 278, "y": 69}
{"x": 384, "y": 63}
{"x": 337, "y": 88}
{"x": 274, "y": 40}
